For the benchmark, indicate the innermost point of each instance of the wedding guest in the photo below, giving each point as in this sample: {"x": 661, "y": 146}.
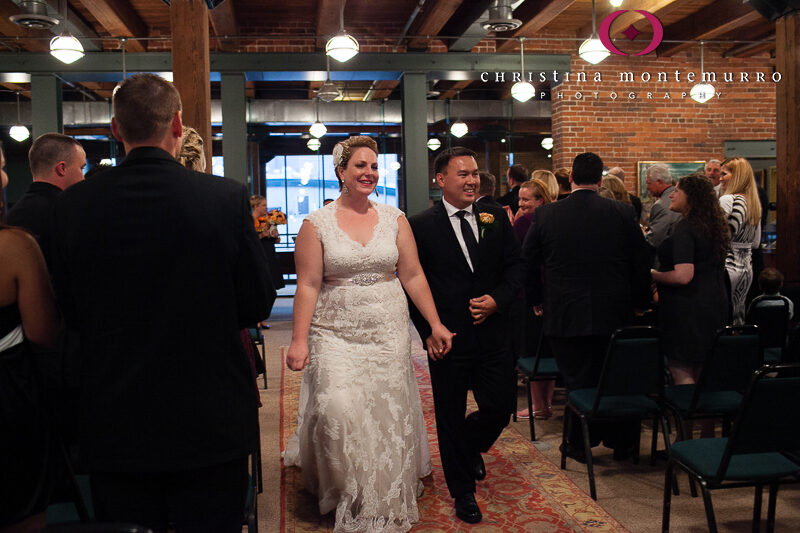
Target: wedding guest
{"x": 532, "y": 195}
{"x": 486, "y": 189}
{"x": 595, "y": 274}
{"x": 269, "y": 237}
{"x": 192, "y": 154}
{"x": 660, "y": 186}
{"x": 56, "y": 162}
{"x": 564, "y": 185}
{"x": 28, "y": 316}
{"x": 166, "y": 421}
{"x": 614, "y": 183}
{"x": 516, "y": 175}
{"x": 770, "y": 281}
{"x": 693, "y": 301}
{"x": 549, "y": 179}
{"x": 361, "y": 440}
{"x": 739, "y": 201}
{"x": 712, "y": 171}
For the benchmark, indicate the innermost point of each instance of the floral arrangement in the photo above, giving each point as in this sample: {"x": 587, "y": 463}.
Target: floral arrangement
{"x": 484, "y": 221}
{"x": 273, "y": 219}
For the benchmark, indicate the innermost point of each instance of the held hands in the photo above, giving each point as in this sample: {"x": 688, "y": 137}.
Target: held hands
{"x": 482, "y": 308}
{"x": 297, "y": 356}
{"x": 439, "y": 342}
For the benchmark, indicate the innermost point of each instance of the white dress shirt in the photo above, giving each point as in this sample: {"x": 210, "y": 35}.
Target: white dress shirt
{"x": 456, "y": 223}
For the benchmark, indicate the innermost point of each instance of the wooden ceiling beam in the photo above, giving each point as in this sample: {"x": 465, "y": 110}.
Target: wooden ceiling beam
{"x": 23, "y": 90}
{"x": 435, "y": 14}
{"x": 749, "y": 50}
{"x": 327, "y": 23}
{"x": 712, "y": 21}
{"x": 120, "y": 19}
{"x": 383, "y": 89}
{"x": 537, "y": 14}
{"x": 223, "y": 20}
{"x": 452, "y": 91}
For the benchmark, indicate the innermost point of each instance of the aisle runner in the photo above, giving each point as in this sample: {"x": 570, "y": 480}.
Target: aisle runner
{"x": 523, "y": 491}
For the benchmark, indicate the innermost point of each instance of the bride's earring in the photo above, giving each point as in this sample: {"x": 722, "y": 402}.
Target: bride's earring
{"x": 345, "y": 190}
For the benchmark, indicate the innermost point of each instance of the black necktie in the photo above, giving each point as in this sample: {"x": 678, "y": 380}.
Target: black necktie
{"x": 469, "y": 239}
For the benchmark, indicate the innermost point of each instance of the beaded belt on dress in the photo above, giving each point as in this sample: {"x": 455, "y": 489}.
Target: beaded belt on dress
{"x": 364, "y": 279}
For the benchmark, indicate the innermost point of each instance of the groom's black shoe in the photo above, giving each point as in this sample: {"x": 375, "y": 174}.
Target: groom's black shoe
{"x": 467, "y": 508}
{"x": 477, "y": 468}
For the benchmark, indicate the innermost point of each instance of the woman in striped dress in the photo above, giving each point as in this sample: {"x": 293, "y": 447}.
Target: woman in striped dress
{"x": 739, "y": 201}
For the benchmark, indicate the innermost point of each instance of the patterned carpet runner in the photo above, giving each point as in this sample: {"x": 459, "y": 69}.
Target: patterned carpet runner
{"x": 523, "y": 491}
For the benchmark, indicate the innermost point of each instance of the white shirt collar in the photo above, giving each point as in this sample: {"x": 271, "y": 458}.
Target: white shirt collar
{"x": 452, "y": 210}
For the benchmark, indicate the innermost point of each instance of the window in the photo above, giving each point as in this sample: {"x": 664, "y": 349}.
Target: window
{"x": 298, "y": 185}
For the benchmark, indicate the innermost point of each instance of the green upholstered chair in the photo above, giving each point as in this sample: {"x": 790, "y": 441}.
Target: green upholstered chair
{"x": 540, "y": 367}
{"x": 631, "y": 388}
{"x": 756, "y": 452}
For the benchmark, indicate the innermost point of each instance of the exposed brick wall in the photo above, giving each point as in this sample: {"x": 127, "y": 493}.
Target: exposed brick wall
{"x": 625, "y": 131}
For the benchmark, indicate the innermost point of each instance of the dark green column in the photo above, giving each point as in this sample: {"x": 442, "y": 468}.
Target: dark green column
{"x": 46, "y": 113}
{"x": 234, "y": 126}
{"x": 415, "y": 137}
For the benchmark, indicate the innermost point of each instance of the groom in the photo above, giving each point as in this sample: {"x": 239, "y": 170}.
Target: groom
{"x": 471, "y": 259}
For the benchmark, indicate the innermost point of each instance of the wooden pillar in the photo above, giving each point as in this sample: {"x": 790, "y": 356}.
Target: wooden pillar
{"x": 787, "y": 41}
{"x": 191, "y": 67}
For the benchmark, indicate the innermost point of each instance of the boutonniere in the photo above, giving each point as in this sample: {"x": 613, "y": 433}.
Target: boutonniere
{"x": 485, "y": 220}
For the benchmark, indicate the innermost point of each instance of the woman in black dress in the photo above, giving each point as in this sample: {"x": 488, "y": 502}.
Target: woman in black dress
{"x": 693, "y": 302}
{"x": 269, "y": 238}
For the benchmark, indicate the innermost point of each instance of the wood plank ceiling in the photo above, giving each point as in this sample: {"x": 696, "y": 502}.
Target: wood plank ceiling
{"x": 386, "y": 26}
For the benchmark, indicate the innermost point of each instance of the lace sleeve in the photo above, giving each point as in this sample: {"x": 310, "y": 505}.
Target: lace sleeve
{"x": 316, "y": 219}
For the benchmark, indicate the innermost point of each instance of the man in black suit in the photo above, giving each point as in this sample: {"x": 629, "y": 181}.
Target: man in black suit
{"x": 471, "y": 260}
{"x": 56, "y": 162}
{"x": 515, "y": 176}
{"x": 596, "y": 271}
{"x": 158, "y": 268}
{"x": 486, "y": 190}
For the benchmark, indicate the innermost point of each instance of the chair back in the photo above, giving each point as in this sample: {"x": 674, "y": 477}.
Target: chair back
{"x": 543, "y": 351}
{"x": 768, "y": 419}
{"x": 633, "y": 364}
{"x": 771, "y": 315}
{"x": 730, "y": 364}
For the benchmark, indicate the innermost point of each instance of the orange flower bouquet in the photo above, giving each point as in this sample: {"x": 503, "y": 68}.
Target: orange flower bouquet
{"x": 272, "y": 220}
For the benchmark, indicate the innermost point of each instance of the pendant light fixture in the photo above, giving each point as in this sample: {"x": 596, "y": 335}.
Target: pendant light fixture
{"x": 523, "y": 90}
{"x": 615, "y": 3}
{"x": 317, "y": 129}
{"x": 341, "y": 46}
{"x": 592, "y": 49}
{"x": 314, "y": 144}
{"x": 65, "y": 47}
{"x": 547, "y": 143}
{"x": 434, "y": 144}
{"x": 702, "y": 92}
{"x": 459, "y": 128}
{"x": 328, "y": 92}
{"x": 18, "y": 132}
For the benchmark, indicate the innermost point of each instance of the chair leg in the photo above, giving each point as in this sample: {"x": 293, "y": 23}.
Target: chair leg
{"x": 637, "y": 445}
{"x": 665, "y": 430}
{"x": 712, "y": 522}
{"x": 587, "y": 451}
{"x": 759, "y": 489}
{"x": 530, "y": 410}
{"x": 654, "y": 441}
{"x": 773, "y": 501}
{"x": 669, "y": 477}
{"x": 566, "y": 425}
{"x": 264, "y": 359}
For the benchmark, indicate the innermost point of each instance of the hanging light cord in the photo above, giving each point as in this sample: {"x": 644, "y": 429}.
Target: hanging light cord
{"x": 19, "y": 115}
{"x": 123, "y": 40}
{"x": 341, "y": 15}
{"x": 701, "y": 61}
{"x": 594, "y": 24}
{"x": 522, "y": 56}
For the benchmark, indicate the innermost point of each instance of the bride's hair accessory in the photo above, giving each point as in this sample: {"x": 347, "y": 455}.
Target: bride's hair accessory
{"x": 338, "y": 154}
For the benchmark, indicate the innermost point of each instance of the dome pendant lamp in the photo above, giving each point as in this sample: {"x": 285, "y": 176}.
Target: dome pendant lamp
{"x": 341, "y": 46}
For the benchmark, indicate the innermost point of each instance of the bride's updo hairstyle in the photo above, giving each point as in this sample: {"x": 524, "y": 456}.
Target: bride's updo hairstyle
{"x": 344, "y": 149}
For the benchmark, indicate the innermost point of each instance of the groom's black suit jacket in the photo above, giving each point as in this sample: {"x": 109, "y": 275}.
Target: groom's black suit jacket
{"x": 158, "y": 268}
{"x": 499, "y": 273}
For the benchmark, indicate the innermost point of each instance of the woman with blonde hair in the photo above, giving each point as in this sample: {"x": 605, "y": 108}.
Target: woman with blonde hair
{"x": 617, "y": 187}
{"x": 360, "y": 441}
{"x": 192, "y": 154}
{"x": 739, "y": 200}
{"x": 532, "y": 195}
{"x": 550, "y": 179}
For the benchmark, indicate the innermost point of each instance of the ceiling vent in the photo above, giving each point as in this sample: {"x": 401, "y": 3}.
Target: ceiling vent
{"x": 501, "y": 17}
{"x": 34, "y": 16}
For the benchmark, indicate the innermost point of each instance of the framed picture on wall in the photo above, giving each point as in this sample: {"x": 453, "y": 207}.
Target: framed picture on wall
{"x": 678, "y": 169}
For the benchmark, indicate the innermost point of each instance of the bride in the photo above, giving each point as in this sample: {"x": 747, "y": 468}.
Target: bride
{"x": 361, "y": 439}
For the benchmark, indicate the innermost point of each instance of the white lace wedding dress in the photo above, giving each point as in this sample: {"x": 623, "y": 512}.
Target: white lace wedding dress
{"x": 361, "y": 439}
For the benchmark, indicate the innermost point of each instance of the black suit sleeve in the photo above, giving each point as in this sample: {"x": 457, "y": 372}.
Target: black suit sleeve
{"x": 642, "y": 259}
{"x": 255, "y": 294}
{"x": 532, "y": 259}
{"x": 513, "y": 269}
{"x": 423, "y": 328}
